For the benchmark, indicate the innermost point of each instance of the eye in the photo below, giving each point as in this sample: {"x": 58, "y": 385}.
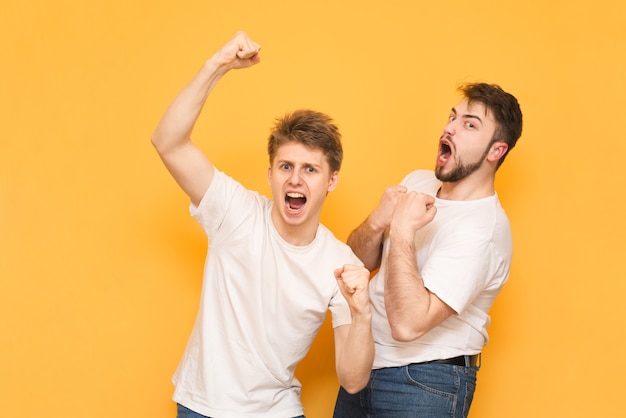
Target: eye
{"x": 285, "y": 166}
{"x": 451, "y": 118}
{"x": 470, "y": 125}
{"x": 310, "y": 170}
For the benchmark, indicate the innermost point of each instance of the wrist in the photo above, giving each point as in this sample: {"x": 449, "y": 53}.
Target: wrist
{"x": 363, "y": 317}
{"x": 399, "y": 233}
{"x": 375, "y": 225}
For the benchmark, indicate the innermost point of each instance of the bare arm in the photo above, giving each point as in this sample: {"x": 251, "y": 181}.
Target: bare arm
{"x": 354, "y": 343}
{"x": 172, "y": 137}
{"x": 367, "y": 239}
{"x": 411, "y": 308}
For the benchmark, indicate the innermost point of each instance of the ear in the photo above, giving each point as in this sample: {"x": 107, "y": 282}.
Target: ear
{"x": 269, "y": 175}
{"x": 334, "y": 179}
{"x": 498, "y": 149}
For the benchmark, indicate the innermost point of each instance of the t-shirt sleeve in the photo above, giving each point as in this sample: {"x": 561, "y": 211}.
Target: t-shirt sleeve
{"x": 339, "y": 305}
{"x": 457, "y": 272}
{"x": 224, "y": 205}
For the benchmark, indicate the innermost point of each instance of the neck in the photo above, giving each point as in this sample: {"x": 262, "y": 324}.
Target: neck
{"x": 469, "y": 188}
{"x": 298, "y": 234}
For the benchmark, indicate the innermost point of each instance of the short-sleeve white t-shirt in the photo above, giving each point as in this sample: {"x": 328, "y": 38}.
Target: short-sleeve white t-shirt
{"x": 464, "y": 257}
{"x": 263, "y": 301}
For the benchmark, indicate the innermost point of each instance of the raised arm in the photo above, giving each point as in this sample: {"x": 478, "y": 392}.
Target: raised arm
{"x": 411, "y": 308}
{"x": 354, "y": 343}
{"x": 172, "y": 137}
{"x": 366, "y": 240}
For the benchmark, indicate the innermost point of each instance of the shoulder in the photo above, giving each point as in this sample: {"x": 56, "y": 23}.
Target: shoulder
{"x": 224, "y": 186}
{"x": 226, "y": 197}
{"x": 478, "y": 224}
{"x": 421, "y": 181}
{"x": 335, "y": 248}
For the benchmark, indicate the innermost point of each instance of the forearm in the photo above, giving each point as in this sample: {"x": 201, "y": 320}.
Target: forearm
{"x": 407, "y": 301}
{"x": 366, "y": 242}
{"x": 191, "y": 169}
{"x": 357, "y": 354}
{"x": 174, "y": 129}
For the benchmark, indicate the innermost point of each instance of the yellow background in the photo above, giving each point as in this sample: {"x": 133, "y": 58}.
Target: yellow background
{"x": 100, "y": 262}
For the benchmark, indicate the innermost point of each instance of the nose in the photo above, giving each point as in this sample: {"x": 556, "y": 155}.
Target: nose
{"x": 450, "y": 128}
{"x": 294, "y": 178}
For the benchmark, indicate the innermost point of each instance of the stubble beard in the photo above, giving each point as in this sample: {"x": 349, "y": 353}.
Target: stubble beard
{"x": 461, "y": 170}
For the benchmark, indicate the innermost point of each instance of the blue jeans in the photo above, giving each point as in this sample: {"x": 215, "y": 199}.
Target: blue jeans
{"x": 182, "y": 412}
{"x": 428, "y": 390}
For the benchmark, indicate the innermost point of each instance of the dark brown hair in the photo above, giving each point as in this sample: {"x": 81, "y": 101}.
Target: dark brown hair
{"x": 313, "y": 129}
{"x": 504, "y": 107}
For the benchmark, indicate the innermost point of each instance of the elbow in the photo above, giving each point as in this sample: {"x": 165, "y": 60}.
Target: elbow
{"x": 404, "y": 333}
{"x": 354, "y": 377}
{"x": 160, "y": 144}
{"x": 156, "y": 141}
{"x": 354, "y": 387}
{"x": 161, "y": 139}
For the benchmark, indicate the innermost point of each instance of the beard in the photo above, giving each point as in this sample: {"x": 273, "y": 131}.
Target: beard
{"x": 461, "y": 170}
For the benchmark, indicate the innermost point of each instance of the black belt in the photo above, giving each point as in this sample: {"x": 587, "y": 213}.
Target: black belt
{"x": 471, "y": 361}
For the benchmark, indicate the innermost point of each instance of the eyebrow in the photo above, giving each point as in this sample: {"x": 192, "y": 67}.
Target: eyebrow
{"x": 306, "y": 164}
{"x": 466, "y": 116}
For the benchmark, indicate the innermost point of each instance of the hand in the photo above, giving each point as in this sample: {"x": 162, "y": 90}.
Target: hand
{"x": 353, "y": 282}
{"x": 382, "y": 214}
{"x": 239, "y": 52}
{"x": 413, "y": 210}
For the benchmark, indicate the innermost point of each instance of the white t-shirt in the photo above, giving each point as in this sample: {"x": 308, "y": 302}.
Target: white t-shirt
{"x": 463, "y": 256}
{"x": 263, "y": 301}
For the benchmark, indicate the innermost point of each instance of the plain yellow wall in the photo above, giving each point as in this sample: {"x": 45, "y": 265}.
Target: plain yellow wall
{"x": 100, "y": 263}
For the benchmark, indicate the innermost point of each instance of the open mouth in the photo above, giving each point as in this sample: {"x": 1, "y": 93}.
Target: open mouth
{"x": 444, "y": 151}
{"x": 294, "y": 200}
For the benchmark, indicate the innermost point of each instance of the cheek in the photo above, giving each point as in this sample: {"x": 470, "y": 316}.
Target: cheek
{"x": 473, "y": 153}
{"x": 318, "y": 189}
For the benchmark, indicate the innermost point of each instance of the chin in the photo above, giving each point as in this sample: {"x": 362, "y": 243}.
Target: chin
{"x": 439, "y": 173}
{"x": 294, "y": 219}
